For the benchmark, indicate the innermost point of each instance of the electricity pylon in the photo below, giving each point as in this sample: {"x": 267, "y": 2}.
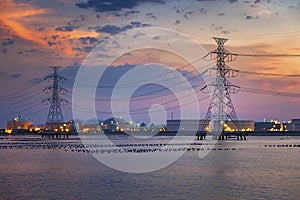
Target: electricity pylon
{"x": 55, "y": 117}
{"x": 221, "y": 108}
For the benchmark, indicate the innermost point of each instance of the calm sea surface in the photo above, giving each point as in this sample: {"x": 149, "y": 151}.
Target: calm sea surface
{"x": 259, "y": 168}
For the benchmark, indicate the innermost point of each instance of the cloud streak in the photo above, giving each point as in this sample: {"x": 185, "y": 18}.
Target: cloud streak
{"x": 19, "y": 17}
{"x": 114, "y": 5}
{"x": 10, "y": 15}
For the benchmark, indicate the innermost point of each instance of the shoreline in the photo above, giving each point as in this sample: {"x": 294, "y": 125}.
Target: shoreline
{"x": 166, "y": 133}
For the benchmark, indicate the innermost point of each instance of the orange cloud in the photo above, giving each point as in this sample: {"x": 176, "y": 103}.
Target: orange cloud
{"x": 12, "y": 14}
{"x": 17, "y": 16}
{"x": 289, "y": 87}
{"x": 82, "y": 33}
{"x": 22, "y": 31}
{"x": 266, "y": 85}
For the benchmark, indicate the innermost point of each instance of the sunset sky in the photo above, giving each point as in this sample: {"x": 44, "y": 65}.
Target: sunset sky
{"x": 36, "y": 34}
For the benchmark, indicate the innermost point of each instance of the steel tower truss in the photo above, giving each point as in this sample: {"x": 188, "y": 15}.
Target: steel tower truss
{"x": 55, "y": 116}
{"x": 221, "y": 108}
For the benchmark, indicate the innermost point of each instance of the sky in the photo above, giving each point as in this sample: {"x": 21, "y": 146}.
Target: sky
{"x": 36, "y": 34}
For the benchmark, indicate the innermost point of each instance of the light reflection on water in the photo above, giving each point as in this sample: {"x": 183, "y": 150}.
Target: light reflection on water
{"x": 251, "y": 171}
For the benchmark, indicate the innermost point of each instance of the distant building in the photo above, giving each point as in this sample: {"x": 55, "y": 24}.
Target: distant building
{"x": 40, "y": 128}
{"x": 185, "y": 125}
{"x": 243, "y": 125}
{"x": 288, "y": 126}
{"x": 58, "y": 127}
{"x": 295, "y": 125}
{"x": 115, "y": 124}
{"x": 200, "y": 125}
{"x": 273, "y": 125}
{"x": 19, "y": 122}
{"x": 88, "y": 126}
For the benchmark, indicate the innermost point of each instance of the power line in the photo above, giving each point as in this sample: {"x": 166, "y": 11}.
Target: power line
{"x": 281, "y": 34}
{"x": 20, "y": 96}
{"x": 140, "y": 96}
{"x": 137, "y": 111}
{"x": 12, "y": 103}
{"x": 133, "y": 84}
{"x": 269, "y": 74}
{"x": 38, "y": 111}
{"x": 269, "y": 92}
{"x": 149, "y": 93}
{"x": 22, "y": 105}
{"x": 163, "y": 89}
{"x": 24, "y": 109}
{"x": 25, "y": 114}
{"x": 266, "y": 55}
{"x": 19, "y": 91}
{"x": 164, "y": 103}
{"x": 185, "y": 104}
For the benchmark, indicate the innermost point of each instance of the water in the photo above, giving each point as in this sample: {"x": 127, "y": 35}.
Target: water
{"x": 252, "y": 169}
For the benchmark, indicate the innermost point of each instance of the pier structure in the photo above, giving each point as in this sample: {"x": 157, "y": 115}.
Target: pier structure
{"x": 53, "y": 134}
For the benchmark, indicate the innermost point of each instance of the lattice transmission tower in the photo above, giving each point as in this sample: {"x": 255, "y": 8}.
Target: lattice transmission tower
{"x": 221, "y": 108}
{"x": 55, "y": 117}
